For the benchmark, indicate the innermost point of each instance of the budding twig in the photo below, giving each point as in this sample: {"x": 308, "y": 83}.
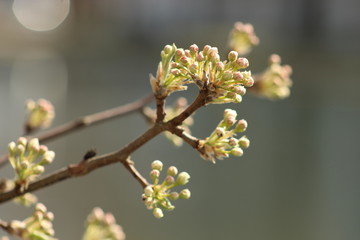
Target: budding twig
{"x": 87, "y": 121}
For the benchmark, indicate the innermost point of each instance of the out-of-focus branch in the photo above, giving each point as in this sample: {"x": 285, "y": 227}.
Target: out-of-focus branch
{"x": 88, "y": 120}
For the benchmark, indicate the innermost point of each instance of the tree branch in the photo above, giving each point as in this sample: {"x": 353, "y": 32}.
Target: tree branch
{"x": 87, "y": 121}
{"x": 122, "y": 156}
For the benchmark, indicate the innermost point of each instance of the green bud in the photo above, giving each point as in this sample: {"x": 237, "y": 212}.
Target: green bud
{"x": 157, "y": 165}
{"x": 244, "y": 142}
{"x": 183, "y": 178}
{"x": 232, "y": 56}
{"x": 185, "y": 194}
{"x": 172, "y": 171}
{"x": 158, "y": 213}
{"x": 12, "y": 148}
{"x": 237, "y": 152}
{"x": 168, "y": 49}
{"x": 38, "y": 169}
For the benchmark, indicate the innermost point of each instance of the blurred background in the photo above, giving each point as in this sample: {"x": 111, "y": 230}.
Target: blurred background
{"x": 298, "y": 180}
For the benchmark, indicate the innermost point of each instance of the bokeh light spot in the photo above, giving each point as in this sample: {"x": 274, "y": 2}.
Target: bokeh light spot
{"x": 41, "y": 15}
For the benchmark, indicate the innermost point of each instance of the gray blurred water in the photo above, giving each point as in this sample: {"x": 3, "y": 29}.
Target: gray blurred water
{"x": 298, "y": 180}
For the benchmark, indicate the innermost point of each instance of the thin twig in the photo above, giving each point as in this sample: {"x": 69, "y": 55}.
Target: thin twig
{"x": 87, "y": 121}
{"x": 85, "y": 167}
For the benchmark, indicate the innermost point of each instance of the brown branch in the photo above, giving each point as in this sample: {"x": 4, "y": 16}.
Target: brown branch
{"x": 122, "y": 156}
{"x": 160, "y": 108}
{"x": 88, "y": 120}
{"x": 191, "y": 140}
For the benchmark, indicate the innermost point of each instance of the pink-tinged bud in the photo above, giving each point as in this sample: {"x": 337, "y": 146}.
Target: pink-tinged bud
{"x": 193, "y": 49}
{"x": 249, "y": 82}
{"x": 187, "y": 53}
{"x": 175, "y": 72}
{"x": 241, "y": 126}
{"x": 232, "y": 56}
{"x": 154, "y": 174}
{"x": 220, "y": 66}
{"x": 22, "y": 141}
{"x": 174, "y": 196}
{"x": 172, "y": 171}
{"x": 169, "y": 180}
{"x": 230, "y": 116}
{"x": 206, "y": 49}
{"x": 274, "y": 58}
{"x": 180, "y": 52}
{"x": 240, "y": 90}
{"x": 244, "y": 142}
{"x": 200, "y": 57}
{"x": 242, "y": 62}
{"x": 233, "y": 142}
{"x": 238, "y": 76}
{"x": 49, "y": 216}
{"x": 184, "y": 60}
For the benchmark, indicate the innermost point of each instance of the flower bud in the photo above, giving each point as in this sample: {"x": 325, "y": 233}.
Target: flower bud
{"x": 193, "y": 68}
{"x": 183, "y": 178}
{"x": 193, "y": 49}
{"x": 154, "y": 174}
{"x": 206, "y": 49}
{"x": 237, "y": 152}
{"x": 232, "y": 56}
{"x": 17, "y": 225}
{"x": 158, "y": 213}
{"x": 241, "y": 126}
{"x": 200, "y": 57}
{"x": 38, "y": 169}
{"x": 174, "y": 196}
{"x": 238, "y": 76}
{"x": 22, "y": 141}
{"x": 157, "y": 165}
{"x": 249, "y": 82}
{"x": 233, "y": 142}
{"x": 242, "y": 62}
{"x": 220, "y": 131}
{"x": 244, "y": 142}
{"x": 169, "y": 180}
{"x": 220, "y": 66}
{"x": 148, "y": 191}
{"x": 12, "y": 148}
{"x": 34, "y": 144}
{"x": 20, "y": 149}
{"x": 48, "y": 157}
{"x": 41, "y": 208}
{"x": 43, "y": 149}
{"x": 185, "y": 194}
{"x": 168, "y": 49}
{"x": 172, "y": 171}
{"x": 227, "y": 75}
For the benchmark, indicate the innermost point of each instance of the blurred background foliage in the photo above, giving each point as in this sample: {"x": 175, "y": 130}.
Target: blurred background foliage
{"x": 298, "y": 180}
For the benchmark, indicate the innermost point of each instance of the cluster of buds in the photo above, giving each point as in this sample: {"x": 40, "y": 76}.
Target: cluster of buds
{"x": 28, "y": 160}
{"x": 222, "y": 143}
{"x": 242, "y": 38}
{"x": 37, "y": 226}
{"x": 203, "y": 68}
{"x": 275, "y": 81}
{"x": 100, "y": 225}
{"x": 158, "y": 195}
{"x": 40, "y": 114}
{"x": 171, "y": 112}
